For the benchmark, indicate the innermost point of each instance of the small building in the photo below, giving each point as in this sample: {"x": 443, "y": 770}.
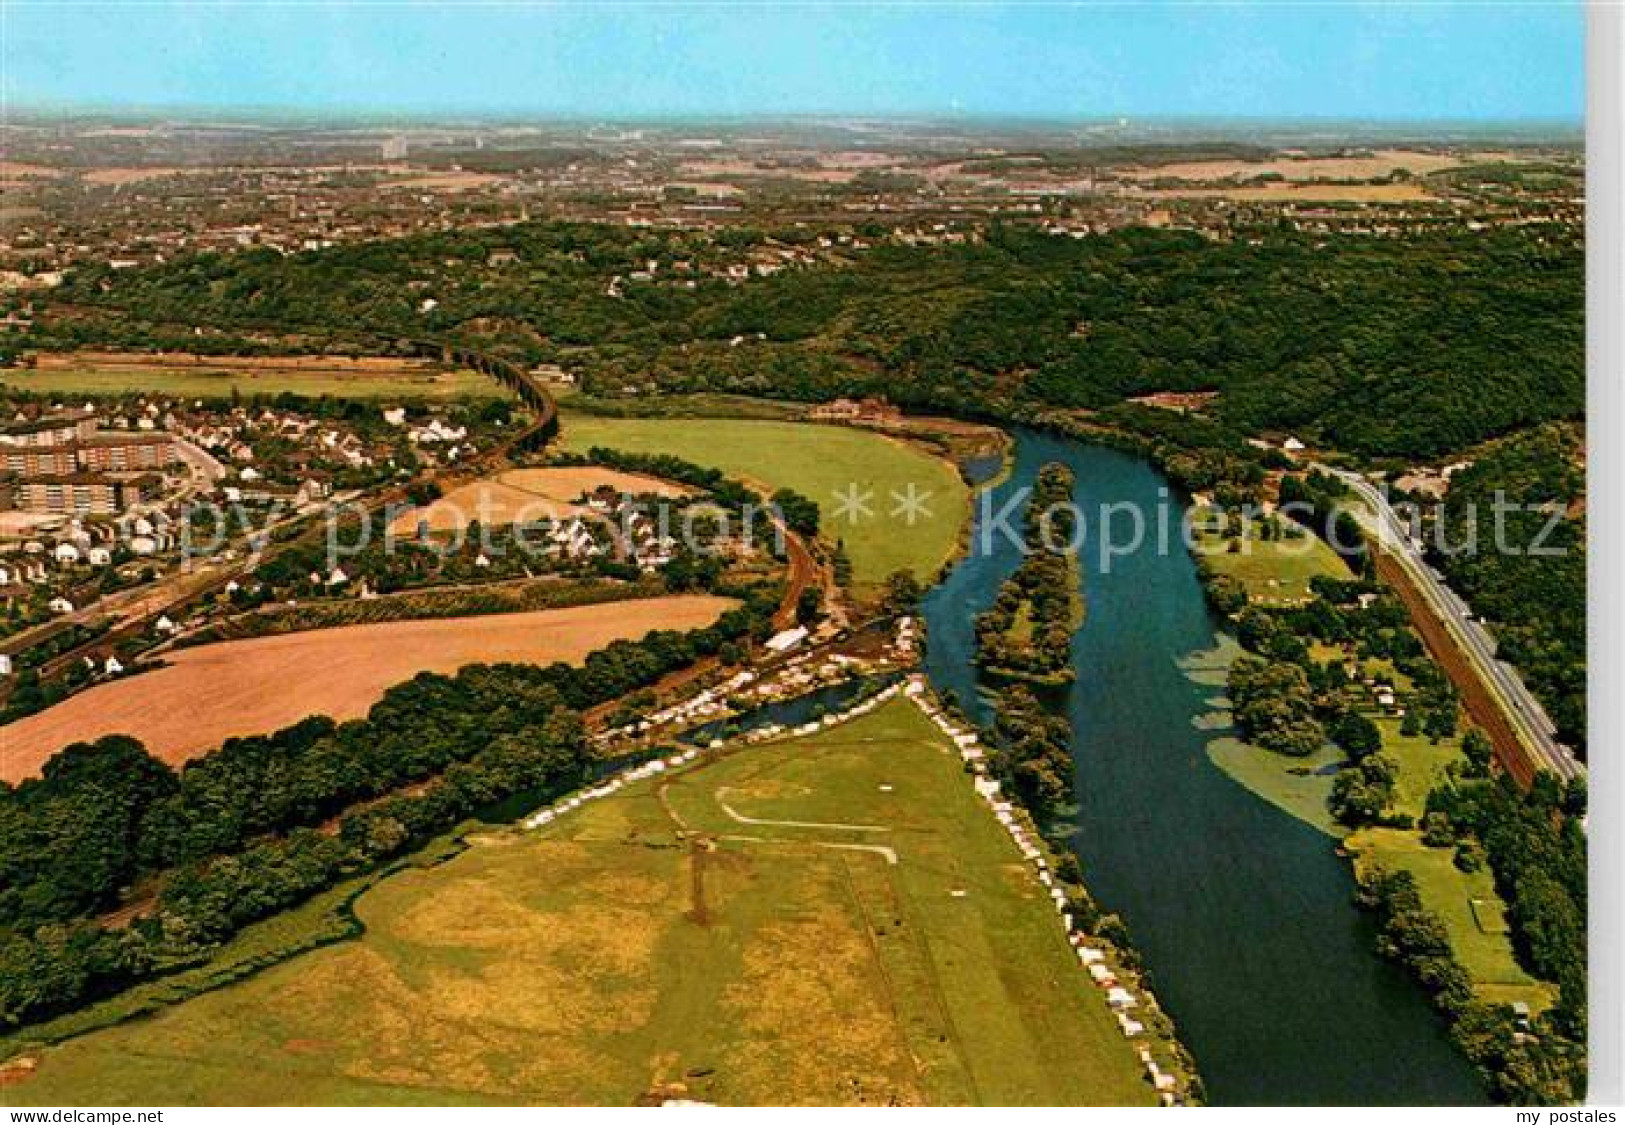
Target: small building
{"x": 841, "y": 410}
{"x": 1121, "y": 999}
{"x": 787, "y": 640}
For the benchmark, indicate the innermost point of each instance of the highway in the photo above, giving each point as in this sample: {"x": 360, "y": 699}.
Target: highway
{"x": 1528, "y": 720}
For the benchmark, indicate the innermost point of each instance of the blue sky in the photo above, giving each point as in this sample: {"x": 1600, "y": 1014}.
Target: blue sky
{"x": 1393, "y": 61}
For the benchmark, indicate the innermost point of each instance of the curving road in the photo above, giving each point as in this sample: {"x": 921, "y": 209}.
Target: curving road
{"x": 1528, "y": 720}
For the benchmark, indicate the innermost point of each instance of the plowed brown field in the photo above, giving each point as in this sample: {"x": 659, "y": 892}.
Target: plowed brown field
{"x": 212, "y": 692}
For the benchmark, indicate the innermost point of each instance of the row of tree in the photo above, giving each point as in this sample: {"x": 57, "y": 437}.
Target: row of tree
{"x": 103, "y": 816}
{"x": 1534, "y": 842}
{"x": 1541, "y": 1064}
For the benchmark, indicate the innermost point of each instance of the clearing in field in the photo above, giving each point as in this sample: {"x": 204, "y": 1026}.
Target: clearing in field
{"x": 1274, "y": 572}
{"x": 207, "y": 694}
{"x": 370, "y": 377}
{"x": 1469, "y": 906}
{"x": 861, "y": 481}
{"x": 527, "y": 495}
{"x": 1369, "y": 166}
{"x": 830, "y": 920}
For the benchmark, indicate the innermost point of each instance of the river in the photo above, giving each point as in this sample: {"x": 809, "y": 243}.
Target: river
{"x": 1243, "y": 913}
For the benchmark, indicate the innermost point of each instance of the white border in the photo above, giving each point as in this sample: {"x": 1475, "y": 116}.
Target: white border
{"x": 1605, "y": 48}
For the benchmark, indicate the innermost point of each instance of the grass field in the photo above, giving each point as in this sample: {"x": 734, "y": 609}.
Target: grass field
{"x": 820, "y": 462}
{"x": 735, "y": 933}
{"x": 206, "y": 694}
{"x": 217, "y": 378}
{"x": 1274, "y": 573}
{"x": 1421, "y": 765}
{"x": 1467, "y": 904}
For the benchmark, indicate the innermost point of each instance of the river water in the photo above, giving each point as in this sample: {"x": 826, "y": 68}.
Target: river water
{"x": 1243, "y": 913}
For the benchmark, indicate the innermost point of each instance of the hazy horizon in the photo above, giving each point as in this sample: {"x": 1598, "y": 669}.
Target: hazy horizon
{"x": 1448, "y": 64}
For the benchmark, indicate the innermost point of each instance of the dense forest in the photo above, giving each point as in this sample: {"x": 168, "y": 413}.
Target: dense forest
{"x": 1410, "y": 346}
{"x": 1532, "y": 584}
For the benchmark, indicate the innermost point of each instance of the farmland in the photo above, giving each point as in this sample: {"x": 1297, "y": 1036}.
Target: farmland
{"x": 523, "y": 495}
{"x": 822, "y": 463}
{"x": 217, "y": 377}
{"x": 206, "y": 694}
{"x": 711, "y": 935}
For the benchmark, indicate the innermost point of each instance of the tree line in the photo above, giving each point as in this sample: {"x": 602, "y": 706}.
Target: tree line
{"x": 1286, "y": 700}
{"x": 1412, "y": 345}
{"x": 238, "y": 834}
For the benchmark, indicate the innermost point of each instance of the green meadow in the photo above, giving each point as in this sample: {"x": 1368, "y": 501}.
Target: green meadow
{"x": 1274, "y": 572}
{"x": 825, "y": 464}
{"x": 835, "y": 919}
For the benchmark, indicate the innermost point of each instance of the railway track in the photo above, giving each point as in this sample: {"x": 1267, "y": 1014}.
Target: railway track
{"x": 542, "y": 427}
{"x": 1523, "y": 736}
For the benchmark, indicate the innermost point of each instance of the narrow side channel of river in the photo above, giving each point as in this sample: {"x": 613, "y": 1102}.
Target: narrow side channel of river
{"x": 1244, "y": 914}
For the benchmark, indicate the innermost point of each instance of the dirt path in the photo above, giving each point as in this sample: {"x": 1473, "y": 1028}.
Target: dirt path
{"x": 723, "y": 804}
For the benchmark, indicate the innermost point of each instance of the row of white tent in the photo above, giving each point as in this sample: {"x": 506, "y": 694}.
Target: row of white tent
{"x": 610, "y": 787}
{"x": 660, "y": 765}
{"x": 1093, "y": 959}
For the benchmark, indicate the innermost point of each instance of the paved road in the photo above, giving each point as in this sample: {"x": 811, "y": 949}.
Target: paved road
{"x": 206, "y": 472}
{"x": 1528, "y": 718}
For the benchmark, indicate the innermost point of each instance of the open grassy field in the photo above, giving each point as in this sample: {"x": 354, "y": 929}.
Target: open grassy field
{"x": 527, "y": 495}
{"x": 736, "y": 933}
{"x": 1468, "y": 905}
{"x": 1275, "y": 573}
{"x": 822, "y": 463}
{"x": 94, "y": 373}
{"x": 209, "y": 693}
{"x": 1421, "y": 765}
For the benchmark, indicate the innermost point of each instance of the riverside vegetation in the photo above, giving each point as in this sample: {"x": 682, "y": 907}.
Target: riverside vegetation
{"x": 1397, "y": 348}
{"x": 238, "y": 835}
{"x": 1298, "y": 687}
{"x": 1027, "y": 635}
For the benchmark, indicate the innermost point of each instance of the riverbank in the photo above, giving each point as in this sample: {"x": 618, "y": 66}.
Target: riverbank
{"x": 1243, "y": 914}
{"x": 1431, "y": 839}
{"x": 830, "y": 917}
